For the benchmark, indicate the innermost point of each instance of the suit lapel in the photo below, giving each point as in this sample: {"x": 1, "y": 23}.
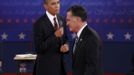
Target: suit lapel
{"x": 78, "y": 45}
{"x": 60, "y": 22}
{"x": 48, "y": 22}
{"x": 80, "y": 40}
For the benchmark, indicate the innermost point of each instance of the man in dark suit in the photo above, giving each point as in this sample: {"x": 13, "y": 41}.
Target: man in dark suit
{"x": 86, "y": 50}
{"x": 50, "y": 41}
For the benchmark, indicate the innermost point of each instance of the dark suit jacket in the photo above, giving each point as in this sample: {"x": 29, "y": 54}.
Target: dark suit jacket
{"x": 86, "y": 59}
{"x": 49, "y": 60}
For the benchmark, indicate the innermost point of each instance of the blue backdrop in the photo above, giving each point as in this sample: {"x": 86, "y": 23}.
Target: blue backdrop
{"x": 112, "y": 19}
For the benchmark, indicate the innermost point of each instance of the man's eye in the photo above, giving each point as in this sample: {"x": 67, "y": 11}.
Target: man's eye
{"x": 53, "y": 3}
{"x": 58, "y": 2}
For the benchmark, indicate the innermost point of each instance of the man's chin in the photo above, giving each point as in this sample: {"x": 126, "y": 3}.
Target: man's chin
{"x": 71, "y": 30}
{"x": 57, "y": 12}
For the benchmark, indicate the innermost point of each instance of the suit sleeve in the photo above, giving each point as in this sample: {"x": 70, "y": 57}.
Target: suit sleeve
{"x": 65, "y": 33}
{"x": 92, "y": 57}
{"x": 64, "y": 38}
{"x": 43, "y": 43}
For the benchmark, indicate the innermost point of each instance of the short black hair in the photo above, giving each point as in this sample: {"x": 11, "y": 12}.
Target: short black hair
{"x": 78, "y": 11}
{"x": 45, "y": 1}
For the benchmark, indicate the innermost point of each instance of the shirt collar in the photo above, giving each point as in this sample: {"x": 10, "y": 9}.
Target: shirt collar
{"x": 51, "y": 17}
{"x": 80, "y": 31}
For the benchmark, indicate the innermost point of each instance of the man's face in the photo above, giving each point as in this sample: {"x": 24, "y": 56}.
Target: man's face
{"x": 52, "y": 6}
{"x": 71, "y": 22}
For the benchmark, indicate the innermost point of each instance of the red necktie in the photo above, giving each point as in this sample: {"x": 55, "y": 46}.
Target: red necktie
{"x": 55, "y": 24}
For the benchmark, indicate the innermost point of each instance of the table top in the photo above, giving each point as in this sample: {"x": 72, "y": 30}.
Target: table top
{"x": 25, "y": 57}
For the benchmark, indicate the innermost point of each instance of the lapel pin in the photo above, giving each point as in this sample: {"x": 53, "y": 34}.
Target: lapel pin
{"x": 80, "y": 39}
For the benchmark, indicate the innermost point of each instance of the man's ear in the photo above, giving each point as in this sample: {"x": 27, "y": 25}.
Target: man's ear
{"x": 75, "y": 18}
{"x": 78, "y": 19}
{"x": 45, "y": 6}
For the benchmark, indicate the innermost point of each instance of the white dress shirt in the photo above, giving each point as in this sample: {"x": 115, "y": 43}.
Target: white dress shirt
{"x": 78, "y": 35}
{"x": 51, "y": 18}
{"x": 80, "y": 31}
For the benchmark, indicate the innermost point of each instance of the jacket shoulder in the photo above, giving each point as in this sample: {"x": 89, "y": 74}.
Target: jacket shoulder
{"x": 41, "y": 19}
{"x": 91, "y": 33}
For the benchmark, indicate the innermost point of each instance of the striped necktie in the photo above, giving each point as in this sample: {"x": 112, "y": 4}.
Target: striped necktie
{"x": 55, "y": 24}
{"x": 75, "y": 43}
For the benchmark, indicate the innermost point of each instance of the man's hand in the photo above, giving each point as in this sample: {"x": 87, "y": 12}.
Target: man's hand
{"x": 64, "y": 48}
{"x": 59, "y": 32}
